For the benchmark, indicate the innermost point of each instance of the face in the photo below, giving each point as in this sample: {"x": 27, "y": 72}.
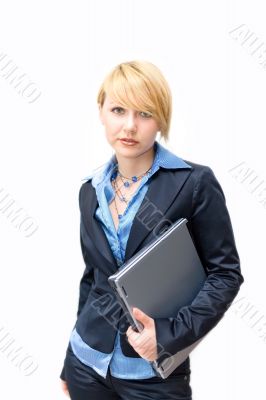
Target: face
{"x": 124, "y": 123}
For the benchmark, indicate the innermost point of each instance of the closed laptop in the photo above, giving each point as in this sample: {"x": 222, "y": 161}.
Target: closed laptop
{"x": 162, "y": 277}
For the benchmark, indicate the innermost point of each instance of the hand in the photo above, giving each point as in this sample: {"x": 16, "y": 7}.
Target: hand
{"x": 144, "y": 342}
{"x": 64, "y": 387}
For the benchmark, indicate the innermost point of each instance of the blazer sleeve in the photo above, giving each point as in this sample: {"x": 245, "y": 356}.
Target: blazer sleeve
{"x": 87, "y": 276}
{"x": 211, "y": 230}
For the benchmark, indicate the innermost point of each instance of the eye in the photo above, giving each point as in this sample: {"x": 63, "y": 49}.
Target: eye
{"x": 145, "y": 114}
{"x": 117, "y": 108}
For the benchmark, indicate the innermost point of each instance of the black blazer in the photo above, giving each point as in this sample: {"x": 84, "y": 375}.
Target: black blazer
{"x": 194, "y": 194}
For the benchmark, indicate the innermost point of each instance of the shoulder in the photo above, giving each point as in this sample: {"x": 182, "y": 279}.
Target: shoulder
{"x": 168, "y": 160}
{"x": 94, "y": 178}
{"x": 201, "y": 180}
{"x": 197, "y": 171}
{"x": 205, "y": 183}
{"x": 86, "y": 186}
{"x": 196, "y": 167}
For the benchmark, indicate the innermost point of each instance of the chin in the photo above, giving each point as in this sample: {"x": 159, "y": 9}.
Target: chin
{"x": 127, "y": 149}
{"x": 128, "y": 152}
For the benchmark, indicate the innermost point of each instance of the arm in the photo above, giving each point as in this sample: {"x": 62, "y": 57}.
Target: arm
{"x": 87, "y": 277}
{"x": 211, "y": 229}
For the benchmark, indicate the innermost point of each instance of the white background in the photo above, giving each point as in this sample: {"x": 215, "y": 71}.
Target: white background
{"x": 48, "y": 146}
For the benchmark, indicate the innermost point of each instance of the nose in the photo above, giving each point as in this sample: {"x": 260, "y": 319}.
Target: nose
{"x": 130, "y": 124}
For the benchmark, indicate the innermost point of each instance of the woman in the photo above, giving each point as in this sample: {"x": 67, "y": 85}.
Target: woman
{"x": 121, "y": 205}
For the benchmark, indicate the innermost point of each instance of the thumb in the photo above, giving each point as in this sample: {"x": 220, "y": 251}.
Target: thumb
{"x": 141, "y": 316}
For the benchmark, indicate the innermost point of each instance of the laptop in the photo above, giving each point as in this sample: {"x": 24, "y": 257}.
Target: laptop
{"x": 160, "y": 278}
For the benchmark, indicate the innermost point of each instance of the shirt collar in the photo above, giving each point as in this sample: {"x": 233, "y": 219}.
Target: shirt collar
{"x": 163, "y": 158}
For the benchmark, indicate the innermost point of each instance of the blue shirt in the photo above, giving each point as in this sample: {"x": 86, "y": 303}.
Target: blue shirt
{"x": 120, "y": 365}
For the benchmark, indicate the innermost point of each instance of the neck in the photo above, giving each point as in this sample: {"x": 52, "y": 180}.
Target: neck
{"x": 129, "y": 167}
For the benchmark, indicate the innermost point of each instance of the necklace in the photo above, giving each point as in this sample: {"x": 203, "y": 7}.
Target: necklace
{"x": 126, "y": 183}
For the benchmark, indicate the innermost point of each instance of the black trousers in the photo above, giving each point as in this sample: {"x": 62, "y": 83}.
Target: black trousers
{"x": 86, "y": 384}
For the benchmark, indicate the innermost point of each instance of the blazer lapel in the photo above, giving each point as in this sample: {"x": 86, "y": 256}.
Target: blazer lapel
{"x": 165, "y": 185}
{"x": 163, "y": 188}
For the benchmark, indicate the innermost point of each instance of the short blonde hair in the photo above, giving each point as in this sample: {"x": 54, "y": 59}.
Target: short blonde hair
{"x": 140, "y": 85}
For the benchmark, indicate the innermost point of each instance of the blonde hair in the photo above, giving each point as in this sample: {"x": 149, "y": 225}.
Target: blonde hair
{"x": 140, "y": 85}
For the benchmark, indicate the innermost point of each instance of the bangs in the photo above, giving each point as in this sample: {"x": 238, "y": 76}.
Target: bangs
{"x": 130, "y": 90}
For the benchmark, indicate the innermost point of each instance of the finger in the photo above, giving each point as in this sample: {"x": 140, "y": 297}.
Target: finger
{"x": 132, "y": 334}
{"x": 149, "y": 354}
{"x": 141, "y": 316}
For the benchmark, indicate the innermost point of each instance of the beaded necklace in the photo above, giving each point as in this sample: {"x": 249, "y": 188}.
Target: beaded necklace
{"x": 127, "y": 183}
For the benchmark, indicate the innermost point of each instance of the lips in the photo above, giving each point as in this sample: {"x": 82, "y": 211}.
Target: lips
{"x": 128, "y": 140}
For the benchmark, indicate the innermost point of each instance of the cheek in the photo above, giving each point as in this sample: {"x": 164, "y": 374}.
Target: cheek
{"x": 155, "y": 126}
{"x": 150, "y": 127}
{"x": 111, "y": 133}
{"x": 113, "y": 127}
